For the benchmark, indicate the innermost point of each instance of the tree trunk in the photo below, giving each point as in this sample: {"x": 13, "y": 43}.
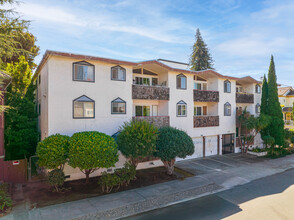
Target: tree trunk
{"x": 87, "y": 172}
{"x": 169, "y": 165}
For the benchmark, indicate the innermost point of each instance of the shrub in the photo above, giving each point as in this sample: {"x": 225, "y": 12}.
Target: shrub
{"x": 56, "y": 178}
{"x": 268, "y": 140}
{"x": 292, "y": 140}
{"x": 92, "y": 150}
{"x": 126, "y": 174}
{"x": 173, "y": 143}
{"x": 53, "y": 151}
{"x": 274, "y": 152}
{"x": 288, "y": 134}
{"x": 5, "y": 200}
{"x": 108, "y": 181}
{"x": 137, "y": 140}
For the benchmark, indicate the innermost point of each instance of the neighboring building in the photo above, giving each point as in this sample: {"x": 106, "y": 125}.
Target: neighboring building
{"x": 84, "y": 93}
{"x": 286, "y": 98}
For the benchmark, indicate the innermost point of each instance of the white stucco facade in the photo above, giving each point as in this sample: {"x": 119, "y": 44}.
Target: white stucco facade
{"x": 57, "y": 91}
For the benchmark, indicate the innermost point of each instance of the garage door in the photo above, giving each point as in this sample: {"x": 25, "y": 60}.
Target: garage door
{"x": 210, "y": 145}
{"x": 198, "y": 149}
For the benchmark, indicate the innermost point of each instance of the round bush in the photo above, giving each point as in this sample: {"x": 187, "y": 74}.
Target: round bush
{"x": 91, "y": 150}
{"x": 172, "y": 143}
{"x": 56, "y": 178}
{"x": 137, "y": 140}
{"x": 53, "y": 151}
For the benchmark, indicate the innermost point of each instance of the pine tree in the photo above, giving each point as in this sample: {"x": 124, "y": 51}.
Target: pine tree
{"x": 264, "y": 106}
{"x": 200, "y": 58}
{"x": 276, "y": 128}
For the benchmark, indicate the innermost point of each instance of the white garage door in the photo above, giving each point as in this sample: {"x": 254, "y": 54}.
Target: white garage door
{"x": 210, "y": 145}
{"x": 198, "y": 150}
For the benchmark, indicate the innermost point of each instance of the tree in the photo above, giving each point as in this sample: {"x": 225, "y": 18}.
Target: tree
{"x": 21, "y": 135}
{"x": 137, "y": 140}
{"x": 264, "y": 107}
{"x": 200, "y": 58}
{"x": 15, "y": 38}
{"x": 91, "y": 150}
{"x": 276, "y": 127}
{"x": 172, "y": 143}
{"x": 249, "y": 126}
{"x": 53, "y": 151}
{"x": 293, "y": 112}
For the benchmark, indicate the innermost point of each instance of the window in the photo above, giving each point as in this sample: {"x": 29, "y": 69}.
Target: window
{"x": 142, "y": 110}
{"x": 227, "y": 109}
{"x": 257, "y": 89}
{"x": 227, "y": 86}
{"x": 142, "y": 81}
{"x": 181, "y": 81}
{"x": 118, "y": 73}
{"x": 239, "y": 89}
{"x": 257, "y": 108}
{"x": 83, "y": 71}
{"x": 200, "y": 110}
{"x": 118, "y": 106}
{"x": 154, "y": 81}
{"x": 83, "y": 107}
{"x": 181, "y": 109}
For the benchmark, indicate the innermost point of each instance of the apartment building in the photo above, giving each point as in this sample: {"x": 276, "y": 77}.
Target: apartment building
{"x": 84, "y": 93}
{"x": 286, "y": 98}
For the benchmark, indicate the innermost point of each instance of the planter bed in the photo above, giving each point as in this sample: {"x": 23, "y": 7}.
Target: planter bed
{"x": 39, "y": 194}
{"x": 259, "y": 154}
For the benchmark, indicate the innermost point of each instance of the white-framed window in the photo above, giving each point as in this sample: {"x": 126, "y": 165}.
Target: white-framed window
{"x": 181, "y": 81}
{"x": 83, "y": 71}
{"x": 200, "y": 86}
{"x": 118, "y": 73}
{"x": 200, "y": 110}
{"x": 258, "y": 89}
{"x": 227, "y": 86}
{"x": 142, "y": 110}
{"x": 227, "y": 109}
{"x": 257, "y": 108}
{"x": 146, "y": 81}
{"x": 181, "y": 109}
{"x": 118, "y": 106}
{"x": 83, "y": 107}
{"x": 239, "y": 89}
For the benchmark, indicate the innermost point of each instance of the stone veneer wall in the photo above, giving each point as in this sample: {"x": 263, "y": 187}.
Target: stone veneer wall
{"x": 206, "y": 121}
{"x": 244, "y": 98}
{"x": 158, "y": 121}
{"x": 150, "y": 92}
{"x": 206, "y": 96}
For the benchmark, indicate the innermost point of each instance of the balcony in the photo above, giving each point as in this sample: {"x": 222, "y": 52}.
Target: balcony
{"x": 150, "y": 92}
{"x": 244, "y": 98}
{"x": 206, "y": 96}
{"x": 158, "y": 121}
{"x": 206, "y": 121}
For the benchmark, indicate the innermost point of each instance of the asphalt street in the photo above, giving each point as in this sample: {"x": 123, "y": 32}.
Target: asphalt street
{"x": 271, "y": 197}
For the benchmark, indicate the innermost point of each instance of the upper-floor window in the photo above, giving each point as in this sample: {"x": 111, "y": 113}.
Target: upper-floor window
{"x": 227, "y": 109}
{"x": 181, "y": 81}
{"x": 118, "y": 73}
{"x": 84, "y": 107}
{"x": 227, "y": 86}
{"x": 83, "y": 71}
{"x": 118, "y": 106}
{"x": 257, "y": 89}
{"x": 146, "y": 81}
{"x": 200, "y": 110}
{"x": 200, "y": 83}
{"x": 181, "y": 109}
{"x": 257, "y": 108}
{"x": 239, "y": 89}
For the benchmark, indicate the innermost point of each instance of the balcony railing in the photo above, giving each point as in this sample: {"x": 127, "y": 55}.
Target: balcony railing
{"x": 150, "y": 92}
{"x": 158, "y": 121}
{"x": 206, "y": 96}
{"x": 244, "y": 98}
{"x": 206, "y": 121}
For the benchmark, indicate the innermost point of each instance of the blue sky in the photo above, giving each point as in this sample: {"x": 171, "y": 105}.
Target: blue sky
{"x": 241, "y": 35}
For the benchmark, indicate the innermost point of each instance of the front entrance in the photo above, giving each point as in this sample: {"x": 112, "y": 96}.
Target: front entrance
{"x": 228, "y": 143}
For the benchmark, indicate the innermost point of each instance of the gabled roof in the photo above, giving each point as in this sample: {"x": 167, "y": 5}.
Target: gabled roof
{"x": 283, "y": 90}
{"x": 290, "y": 93}
{"x": 163, "y": 64}
{"x": 248, "y": 79}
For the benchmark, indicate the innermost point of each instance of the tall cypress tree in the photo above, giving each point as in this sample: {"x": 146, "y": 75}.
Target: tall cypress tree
{"x": 200, "y": 58}
{"x": 264, "y": 105}
{"x": 276, "y": 128}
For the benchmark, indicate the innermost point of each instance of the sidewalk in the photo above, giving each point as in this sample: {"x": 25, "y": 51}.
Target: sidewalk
{"x": 213, "y": 174}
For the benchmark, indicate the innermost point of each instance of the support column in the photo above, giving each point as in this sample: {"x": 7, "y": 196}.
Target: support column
{"x": 203, "y": 146}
